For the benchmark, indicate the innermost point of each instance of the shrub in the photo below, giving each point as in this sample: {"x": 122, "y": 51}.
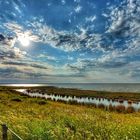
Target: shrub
{"x": 16, "y": 100}
{"x": 42, "y": 102}
{"x": 120, "y": 108}
{"x": 129, "y": 102}
{"x": 121, "y": 101}
{"x": 101, "y": 106}
{"x": 111, "y": 108}
{"x": 130, "y": 109}
{"x": 73, "y": 102}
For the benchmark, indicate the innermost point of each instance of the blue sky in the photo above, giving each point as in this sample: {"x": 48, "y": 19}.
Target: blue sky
{"x": 69, "y": 41}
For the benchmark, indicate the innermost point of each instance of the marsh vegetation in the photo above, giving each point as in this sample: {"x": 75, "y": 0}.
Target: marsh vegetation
{"x": 117, "y": 104}
{"x": 37, "y": 118}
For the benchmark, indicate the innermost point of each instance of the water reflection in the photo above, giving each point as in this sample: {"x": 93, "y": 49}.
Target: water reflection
{"x": 98, "y": 102}
{"x": 21, "y": 85}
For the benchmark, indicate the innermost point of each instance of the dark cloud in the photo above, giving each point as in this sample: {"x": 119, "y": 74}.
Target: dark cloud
{"x": 2, "y": 38}
{"x": 31, "y": 64}
{"x": 15, "y": 72}
{"x": 90, "y": 65}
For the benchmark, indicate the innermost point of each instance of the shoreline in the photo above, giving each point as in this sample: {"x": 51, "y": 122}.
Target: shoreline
{"x": 119, "y": 105}
{"x": 135, "y": 97}
{"x": 108, "y": 101}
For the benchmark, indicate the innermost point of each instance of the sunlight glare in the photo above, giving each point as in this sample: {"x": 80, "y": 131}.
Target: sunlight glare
{"x": 24, "y": 40}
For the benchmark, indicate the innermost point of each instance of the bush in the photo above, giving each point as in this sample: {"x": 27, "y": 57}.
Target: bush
{"x": 129, "y": 102}
{"x": 16, "y": 100}
{"x": 41, "y": 102}
{"x": 130, "y": 109}
{"x": 121, "y": 101}
{"x": 102, "y": 106}
{"x": 111, "y": 107}
{"x": 120, "y": 108}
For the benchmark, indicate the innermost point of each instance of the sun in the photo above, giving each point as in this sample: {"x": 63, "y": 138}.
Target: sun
{"x": 24, "y": 40}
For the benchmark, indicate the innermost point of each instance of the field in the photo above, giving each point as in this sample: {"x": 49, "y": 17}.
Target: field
{"x": 39, "y": 119}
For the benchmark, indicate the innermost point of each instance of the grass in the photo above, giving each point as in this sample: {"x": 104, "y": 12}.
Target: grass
{"x": 38, "y": 119}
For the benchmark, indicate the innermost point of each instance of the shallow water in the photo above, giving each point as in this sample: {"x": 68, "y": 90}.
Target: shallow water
{"x": 83, "y": 100}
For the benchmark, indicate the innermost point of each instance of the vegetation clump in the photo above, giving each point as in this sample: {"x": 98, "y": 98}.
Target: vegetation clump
{"x": 120, "y": 108}
{"x": 130, "y": 109}
{"x": 16, "y": 99}
{"x": 42, "y": 102}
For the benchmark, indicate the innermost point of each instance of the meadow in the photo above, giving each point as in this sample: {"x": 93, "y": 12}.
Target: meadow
{"x": 40, "y": 119}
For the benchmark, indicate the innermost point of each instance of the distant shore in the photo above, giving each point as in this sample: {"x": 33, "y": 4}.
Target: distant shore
{"x": 111, "y": 87}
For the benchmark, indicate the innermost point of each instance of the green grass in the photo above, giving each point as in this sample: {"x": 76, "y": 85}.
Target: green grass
{"x": 38, "y": 119}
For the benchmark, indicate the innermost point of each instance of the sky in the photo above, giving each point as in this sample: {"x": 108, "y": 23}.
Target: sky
{"x": 69, "y": 41}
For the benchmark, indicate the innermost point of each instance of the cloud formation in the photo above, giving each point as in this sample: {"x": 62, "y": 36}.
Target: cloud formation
{"x": 68, "y": 41}
{"x": 7, "y": 49}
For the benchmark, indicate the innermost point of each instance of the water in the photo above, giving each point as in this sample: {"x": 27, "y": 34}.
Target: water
{"x": 85, "y": 100}
{"x": 114, "y": 87}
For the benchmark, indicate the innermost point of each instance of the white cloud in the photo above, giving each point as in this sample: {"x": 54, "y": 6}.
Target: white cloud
{"x": 105, "y": 15}
{"x": 91, "y": 18}
{"x": 77, "y": 1}
{"x": 8, "y": 50}
{"x": 20, "y": 31}
{"x": 46, "y": 56}
{"x": 63, "y": 2}
{"x": 118, "y": 21}
{"x": 65, "y": 40}
{"x": 78, "y": 9}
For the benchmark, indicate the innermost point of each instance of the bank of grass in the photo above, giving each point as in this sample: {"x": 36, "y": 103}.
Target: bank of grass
{"x": 38, "y": 119}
